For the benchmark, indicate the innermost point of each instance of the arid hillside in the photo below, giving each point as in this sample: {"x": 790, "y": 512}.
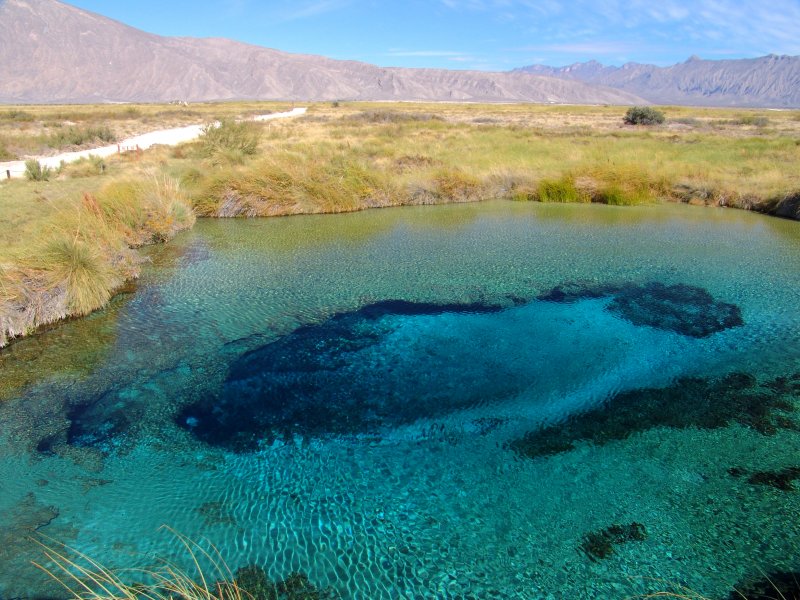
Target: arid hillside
{"x": 770, "y": 81}
{"x": 52, "y": 52}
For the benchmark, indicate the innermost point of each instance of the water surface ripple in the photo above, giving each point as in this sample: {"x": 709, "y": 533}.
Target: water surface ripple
{"x": 500, "y": 400}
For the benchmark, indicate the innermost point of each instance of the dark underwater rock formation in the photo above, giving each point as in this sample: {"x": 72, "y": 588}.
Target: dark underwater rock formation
{"x": 684, "y": 309}
{"x": 782, "y": 480}
{"x": 317, "y": 381}
{"x": 254, "y": 583}
{"x": 780, "y": 585}
{"x": 689, "y": 402}
{"x": 599, "y": 545}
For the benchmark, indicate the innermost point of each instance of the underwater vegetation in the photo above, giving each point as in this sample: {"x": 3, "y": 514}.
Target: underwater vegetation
{"x": 684, "y": 309}
{"x": 598, "y": 545}
{"x": 690, "y": 402}
{"x": 781, "y": 585}
{"x": 360, "y": 371}
{"x": 314, "y": 381}
{"x": 83, "y": 578}
{"x": 782, "y": 480}
{"x": 311, "y": 382}
{"x": 254, "y": 583}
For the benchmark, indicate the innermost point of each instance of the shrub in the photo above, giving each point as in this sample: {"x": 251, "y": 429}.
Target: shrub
{"x": 35, "y": 171}
{"x": 559, "y": 190}
{"x": 86, "y": 167}
{"x": 75, "y": 136}
{"x": 16, "y": 115}
{"x": 230, "y": 141}
{"x": 644, "y": 115}
{"x": 145, "y": 211}
{"x": 754, "y": 120}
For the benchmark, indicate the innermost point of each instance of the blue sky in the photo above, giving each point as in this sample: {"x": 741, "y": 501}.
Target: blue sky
{"x": 481, "y": 34}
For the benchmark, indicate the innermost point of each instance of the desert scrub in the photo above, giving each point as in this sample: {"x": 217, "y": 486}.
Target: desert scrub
{"x": 145, "y": 211}
{"x": 392, "y": 116}
{"x": 643, "y": 115}
{"x": 85, "y": 167}
{"x": 36, "y": 171}
{"x": 79, "y": 136}
{"x": 230, "y": 142}
{"x": 293, "y": 183}
{"x": 19, "y": 116}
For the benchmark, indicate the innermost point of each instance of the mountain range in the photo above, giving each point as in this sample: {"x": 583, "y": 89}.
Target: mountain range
{"x": 770, "y": 81}
{"x": 52, "y": 52}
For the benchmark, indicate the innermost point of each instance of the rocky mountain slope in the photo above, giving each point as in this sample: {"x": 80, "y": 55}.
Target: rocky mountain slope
{"x": 769, "y": 81}
{"x": 53, "y": 52}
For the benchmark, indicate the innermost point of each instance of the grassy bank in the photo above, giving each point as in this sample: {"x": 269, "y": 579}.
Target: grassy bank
{"x": 351, "y": 157}
{"x": 68, "y": 256}
{"x": 67, "y": 243}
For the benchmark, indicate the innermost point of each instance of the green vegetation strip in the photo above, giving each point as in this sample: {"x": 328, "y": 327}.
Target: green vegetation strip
{"x": 345, "y": 157}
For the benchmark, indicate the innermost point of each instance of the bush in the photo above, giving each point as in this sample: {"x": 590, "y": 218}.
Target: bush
{"x": 644, "y": 115}
{"x": 74, "y": 136}
{"x": 560, "y": 190}
{"x": 86, "y": 167}
{"x": 16, "y": 115}
{"x": 230, "y": 141}
{"x": 35, "y": 171}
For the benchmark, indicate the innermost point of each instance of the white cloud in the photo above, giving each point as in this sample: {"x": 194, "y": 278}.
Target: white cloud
{"x": 753, "y": 26}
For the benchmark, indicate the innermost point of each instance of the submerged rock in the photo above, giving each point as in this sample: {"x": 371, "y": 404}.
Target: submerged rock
{"x": 689, "y": 402}
{"x": 684, "y": 309}
{"x": 599, "y": 545}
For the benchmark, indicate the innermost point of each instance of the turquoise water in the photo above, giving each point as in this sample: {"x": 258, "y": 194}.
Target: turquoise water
{"x": 433, "y": 402}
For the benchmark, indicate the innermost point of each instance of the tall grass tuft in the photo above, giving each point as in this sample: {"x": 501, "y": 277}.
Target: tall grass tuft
{"x": 293, "y": 183}
{"x": 90, "y": 166}
{"x": 82, "y": 268}
{"x": 561, "y": 190}
{"x": 36, "y": 171}
{"x": 85, "y": 579}
{"x": 230, "y": 142}
{"x": 5, "y": 153}
{"x": 146, "y": 211}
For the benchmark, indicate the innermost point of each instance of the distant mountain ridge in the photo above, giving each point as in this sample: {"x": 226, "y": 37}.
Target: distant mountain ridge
{"x": 770, "y": 81}
{"x": 53, "y": 52}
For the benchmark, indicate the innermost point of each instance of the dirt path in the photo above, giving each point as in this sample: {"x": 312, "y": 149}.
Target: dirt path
{"x": 168, "y": 137}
